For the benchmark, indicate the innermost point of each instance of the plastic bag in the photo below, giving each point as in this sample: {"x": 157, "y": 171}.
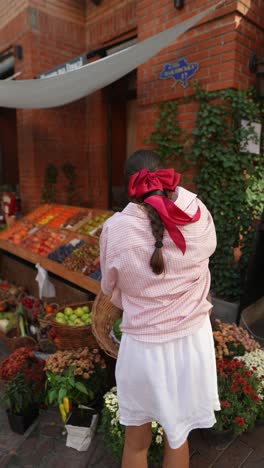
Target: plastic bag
{"x": 46, "y": 288}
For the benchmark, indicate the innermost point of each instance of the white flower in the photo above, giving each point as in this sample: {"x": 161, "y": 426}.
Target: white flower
{"x": 154, "y": 425}
{"x": 159, "y": 439}
{"x": 255, "y": 361}
{"x": 160, "y": 430}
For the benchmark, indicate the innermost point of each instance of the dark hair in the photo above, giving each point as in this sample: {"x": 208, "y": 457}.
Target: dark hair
{"x": 146, "y": 159}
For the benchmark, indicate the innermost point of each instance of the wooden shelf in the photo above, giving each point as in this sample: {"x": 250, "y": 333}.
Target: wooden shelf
{"x": 58, "y": 269}
{"x": 76, "y": 278}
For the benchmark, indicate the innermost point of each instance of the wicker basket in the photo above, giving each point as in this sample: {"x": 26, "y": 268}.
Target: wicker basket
{"x": 14, "y": 340}
{"x": 74, "y": 337}
{"x": 46, "y": 320}
{"x": 103, "y": 318}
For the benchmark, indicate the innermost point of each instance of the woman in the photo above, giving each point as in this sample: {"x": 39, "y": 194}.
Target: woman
{"x": 154, "y": 261}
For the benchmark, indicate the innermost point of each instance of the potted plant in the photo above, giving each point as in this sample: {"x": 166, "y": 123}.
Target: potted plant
{"x": 231, "y": 340}
{"x": 24, "y": 361}
{"x": 238, "y": 388}
{"x": 254, "y": 360}
{"x": 77, "y": 375}
{"x": 23, "y": 376}
{"x": 20, "y": 400}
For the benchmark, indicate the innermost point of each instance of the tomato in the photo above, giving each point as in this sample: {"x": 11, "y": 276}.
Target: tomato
{"x": 49, "y": 309}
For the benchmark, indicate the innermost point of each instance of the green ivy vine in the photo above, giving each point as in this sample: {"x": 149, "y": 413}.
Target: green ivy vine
{"x": 167, "y": 134}
{"x": 229, "y": 178}
{"x": 49, "y": 192}
{"x": 71, "y": 176}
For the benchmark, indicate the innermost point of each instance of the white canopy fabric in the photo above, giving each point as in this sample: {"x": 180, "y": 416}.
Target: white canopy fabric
{"x": 63, "y": 89}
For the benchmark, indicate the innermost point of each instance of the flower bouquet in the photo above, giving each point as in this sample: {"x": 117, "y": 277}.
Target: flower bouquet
{"x": 114, "y": 432}
{"x": 231, "y": 340}
{"x": 239, "y": 389}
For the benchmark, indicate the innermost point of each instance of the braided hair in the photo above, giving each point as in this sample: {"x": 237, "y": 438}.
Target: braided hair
{"x": 146, "y": 159}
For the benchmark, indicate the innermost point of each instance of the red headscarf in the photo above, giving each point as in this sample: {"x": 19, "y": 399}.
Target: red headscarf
{"x": 143, "y": 182}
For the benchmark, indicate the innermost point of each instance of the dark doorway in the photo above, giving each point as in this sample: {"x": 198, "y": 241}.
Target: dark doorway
{"x": 122, "y": 134}
{"x": 8, "y": 148}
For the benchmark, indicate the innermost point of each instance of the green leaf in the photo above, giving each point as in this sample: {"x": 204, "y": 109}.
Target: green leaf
{"x": 62, "y": 394}
{"x": 52, "y": 395}
{"x": 81, "y": 387}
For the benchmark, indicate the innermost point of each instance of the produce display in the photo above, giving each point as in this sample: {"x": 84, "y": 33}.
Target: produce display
{"x": 76, "y": 218}
{"x": 43, "y": 241}
{"x": 62, "y": 252}
{"x": 96, "y": 275}
{"x": 49, "y": 215}
{"x": 67, "y": 239}
{"x": 62, "y": 218}
{"x": 40, "y": 211}
{"x": 84, "y": 260}
{"x": 93, "y": 224}
{"x": 17, "y": 233}
{"x": 75, "y": 317}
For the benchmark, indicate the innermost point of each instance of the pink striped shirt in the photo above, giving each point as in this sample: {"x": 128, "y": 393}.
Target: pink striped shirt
{"x": 158, "y": 308}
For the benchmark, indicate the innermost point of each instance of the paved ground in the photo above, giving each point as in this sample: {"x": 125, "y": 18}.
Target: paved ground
{"x": 43, "y": 446}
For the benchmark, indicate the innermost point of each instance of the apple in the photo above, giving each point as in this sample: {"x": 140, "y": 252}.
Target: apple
{"x": 85, "y": 317}
{"x": 60, "y": 315}
{"x": 79, "y": 312}
{"x": 78, "y": 322}
{"x": 68, "y": 311}
{"x": 85, "y": 309}
{"x": 61, "y": 320}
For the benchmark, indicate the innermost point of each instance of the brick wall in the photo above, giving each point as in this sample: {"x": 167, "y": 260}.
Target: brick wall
{"x": 53, "y": 32}
{"x": 112, "y": 20}
{"x": 56, "y": 135}
{"x": 221, "y": 44}
{"x": 10, "y": 9}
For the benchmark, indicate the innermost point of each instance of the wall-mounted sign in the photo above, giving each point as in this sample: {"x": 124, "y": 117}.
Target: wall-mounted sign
{"x": 73, "y": 64}
{"x": 180, "y": 71}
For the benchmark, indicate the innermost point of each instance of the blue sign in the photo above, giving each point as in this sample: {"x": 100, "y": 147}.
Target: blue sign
{"x": 181, "y": 71}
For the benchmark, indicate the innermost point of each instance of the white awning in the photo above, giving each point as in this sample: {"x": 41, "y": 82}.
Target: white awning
{"x": 59, "y": 90}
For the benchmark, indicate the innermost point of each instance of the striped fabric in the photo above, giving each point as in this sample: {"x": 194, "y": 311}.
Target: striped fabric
{"x": 158, "y": 308}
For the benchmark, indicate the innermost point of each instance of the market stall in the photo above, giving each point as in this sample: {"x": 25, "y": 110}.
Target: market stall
{"x": 62, "y": 239}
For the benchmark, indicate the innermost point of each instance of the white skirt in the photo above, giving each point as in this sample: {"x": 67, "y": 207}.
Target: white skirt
{"x": 172, "y": 383}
